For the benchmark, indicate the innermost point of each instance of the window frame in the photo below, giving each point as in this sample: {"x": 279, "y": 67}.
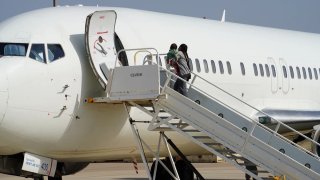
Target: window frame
{"x": 229, "y": 68}
{"x": 255, "y": 69}
{"x": 298, "y": 72}
{"x": 274, "y": 71}
{"x": 198, "y": 65}
{"x": 291, "y": 72}
{"x": 221, "y": 68}
{"x": 304, "y": 72}
{"x": 261, "y": 70}
{"x": 45, "y": 55}
{"x": 243, "y": 70}
{"x": 206, "y": 67}
{"x": 310, "y": 73}
{"x": 267, "y": 70}
{"x": 315, "y": 73}
{"x": 64, "y": 54}
{"x": 4, "y": 44}
{"x": 213, "y": 67}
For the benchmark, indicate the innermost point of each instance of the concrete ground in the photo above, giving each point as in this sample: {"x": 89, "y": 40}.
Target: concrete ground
{"x": 125, "y": 171}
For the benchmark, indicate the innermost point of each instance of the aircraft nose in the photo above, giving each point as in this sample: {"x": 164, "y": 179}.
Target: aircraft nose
{"x": 3, "y": 94}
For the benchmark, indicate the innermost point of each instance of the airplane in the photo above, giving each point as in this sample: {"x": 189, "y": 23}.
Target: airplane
{"x": 46, "y": 77}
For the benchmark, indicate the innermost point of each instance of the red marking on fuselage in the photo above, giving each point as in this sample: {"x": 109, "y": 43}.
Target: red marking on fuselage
{"x": 105, "y": 32}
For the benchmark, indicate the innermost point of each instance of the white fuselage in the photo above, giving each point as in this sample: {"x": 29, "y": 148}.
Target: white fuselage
{"x": 43, "y": 109}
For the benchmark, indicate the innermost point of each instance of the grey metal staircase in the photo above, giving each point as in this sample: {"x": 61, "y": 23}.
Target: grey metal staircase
{"x": 213, "y": 119}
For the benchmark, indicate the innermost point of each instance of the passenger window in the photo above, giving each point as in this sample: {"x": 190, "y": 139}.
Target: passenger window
{"x": 213, "y": 66}
{"x": 310, "y": 73}
{"x": 255, "y": 69}
{"x": 206, "y": 68}
{"x": 261, "y": 70}
{"x": 229, "y": 67}
{"x": 284, "y": 69}
{"x": 13, "y": 49}
{"x": 291, "y": 72}
{"x": 315, "y": 73}
{"x": 274, "y": 73}
{"x": 304, "y": 73}
{"x": 221, "y": 67}
{"x": 298, "y": 72}
{"x": 55, "y": 52}
{"x": 198, "y": 65}
{"x": 243, "y": 71}
{"x": 37, "y": 53}
{"x": 267, "y": 70}
{"x": 190, "y": 64}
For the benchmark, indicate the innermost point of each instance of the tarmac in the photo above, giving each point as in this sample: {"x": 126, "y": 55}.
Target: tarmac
{"x": 125, "y": 171}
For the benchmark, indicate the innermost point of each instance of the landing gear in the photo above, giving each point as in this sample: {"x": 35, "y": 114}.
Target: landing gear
{"x": 162, "y": 174}
{"x": 184, "y": 170}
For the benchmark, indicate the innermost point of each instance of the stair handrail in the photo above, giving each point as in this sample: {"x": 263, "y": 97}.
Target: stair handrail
{"x": 278, "y": 123}
{"x": 138, "y": 50}
{"x": 250, "y": 106}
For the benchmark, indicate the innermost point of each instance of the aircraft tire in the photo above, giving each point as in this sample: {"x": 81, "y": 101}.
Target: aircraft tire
{"x": 184, "y": 171}
{"x": 55, "y": 178}
{"x": 162, "y": 174}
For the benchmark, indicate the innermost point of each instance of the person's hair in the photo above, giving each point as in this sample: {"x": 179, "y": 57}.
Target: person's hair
{"x": 173, "y": 46}
{"x": 184, "y": 48}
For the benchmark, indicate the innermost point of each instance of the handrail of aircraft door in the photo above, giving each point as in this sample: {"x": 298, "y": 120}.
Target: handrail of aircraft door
{"x": 138, "y": 50}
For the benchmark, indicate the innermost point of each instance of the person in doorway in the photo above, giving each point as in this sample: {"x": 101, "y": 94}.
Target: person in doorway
{"x": 183, "y": 69}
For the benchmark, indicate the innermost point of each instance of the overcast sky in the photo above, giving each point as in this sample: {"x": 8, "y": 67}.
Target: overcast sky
{"x": 301, "y": 15}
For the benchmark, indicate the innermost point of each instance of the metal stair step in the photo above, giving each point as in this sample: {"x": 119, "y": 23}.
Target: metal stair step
{"x": 201, "y": 137}
{"x": 190, "y": 130}
{"x": 182, "y": 124}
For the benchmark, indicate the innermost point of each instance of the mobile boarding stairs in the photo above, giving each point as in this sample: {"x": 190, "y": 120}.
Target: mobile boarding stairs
{"x": 210, "y": 117}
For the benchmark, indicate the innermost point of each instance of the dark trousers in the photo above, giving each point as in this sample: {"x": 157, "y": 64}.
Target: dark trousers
{"x": 180, "y": 86}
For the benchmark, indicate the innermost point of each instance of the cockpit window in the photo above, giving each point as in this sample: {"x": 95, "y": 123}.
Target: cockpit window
{"x": 13, "y": 49}
{"x": 55, "y": 52}
{"x": 37, "y": 53}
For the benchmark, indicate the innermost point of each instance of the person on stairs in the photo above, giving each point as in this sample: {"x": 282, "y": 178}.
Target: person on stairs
{"x": 171, "y": 58}
{"x": 183, "y": 70}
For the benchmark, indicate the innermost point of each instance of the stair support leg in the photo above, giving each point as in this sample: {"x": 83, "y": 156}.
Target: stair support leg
{"x": 143, "y": 157}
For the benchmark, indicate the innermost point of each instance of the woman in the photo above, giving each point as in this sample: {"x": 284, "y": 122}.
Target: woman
{"x": 184, "y": 70}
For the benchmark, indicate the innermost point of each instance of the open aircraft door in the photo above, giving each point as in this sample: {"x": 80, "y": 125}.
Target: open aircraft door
{"x": 99, "y": 40}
